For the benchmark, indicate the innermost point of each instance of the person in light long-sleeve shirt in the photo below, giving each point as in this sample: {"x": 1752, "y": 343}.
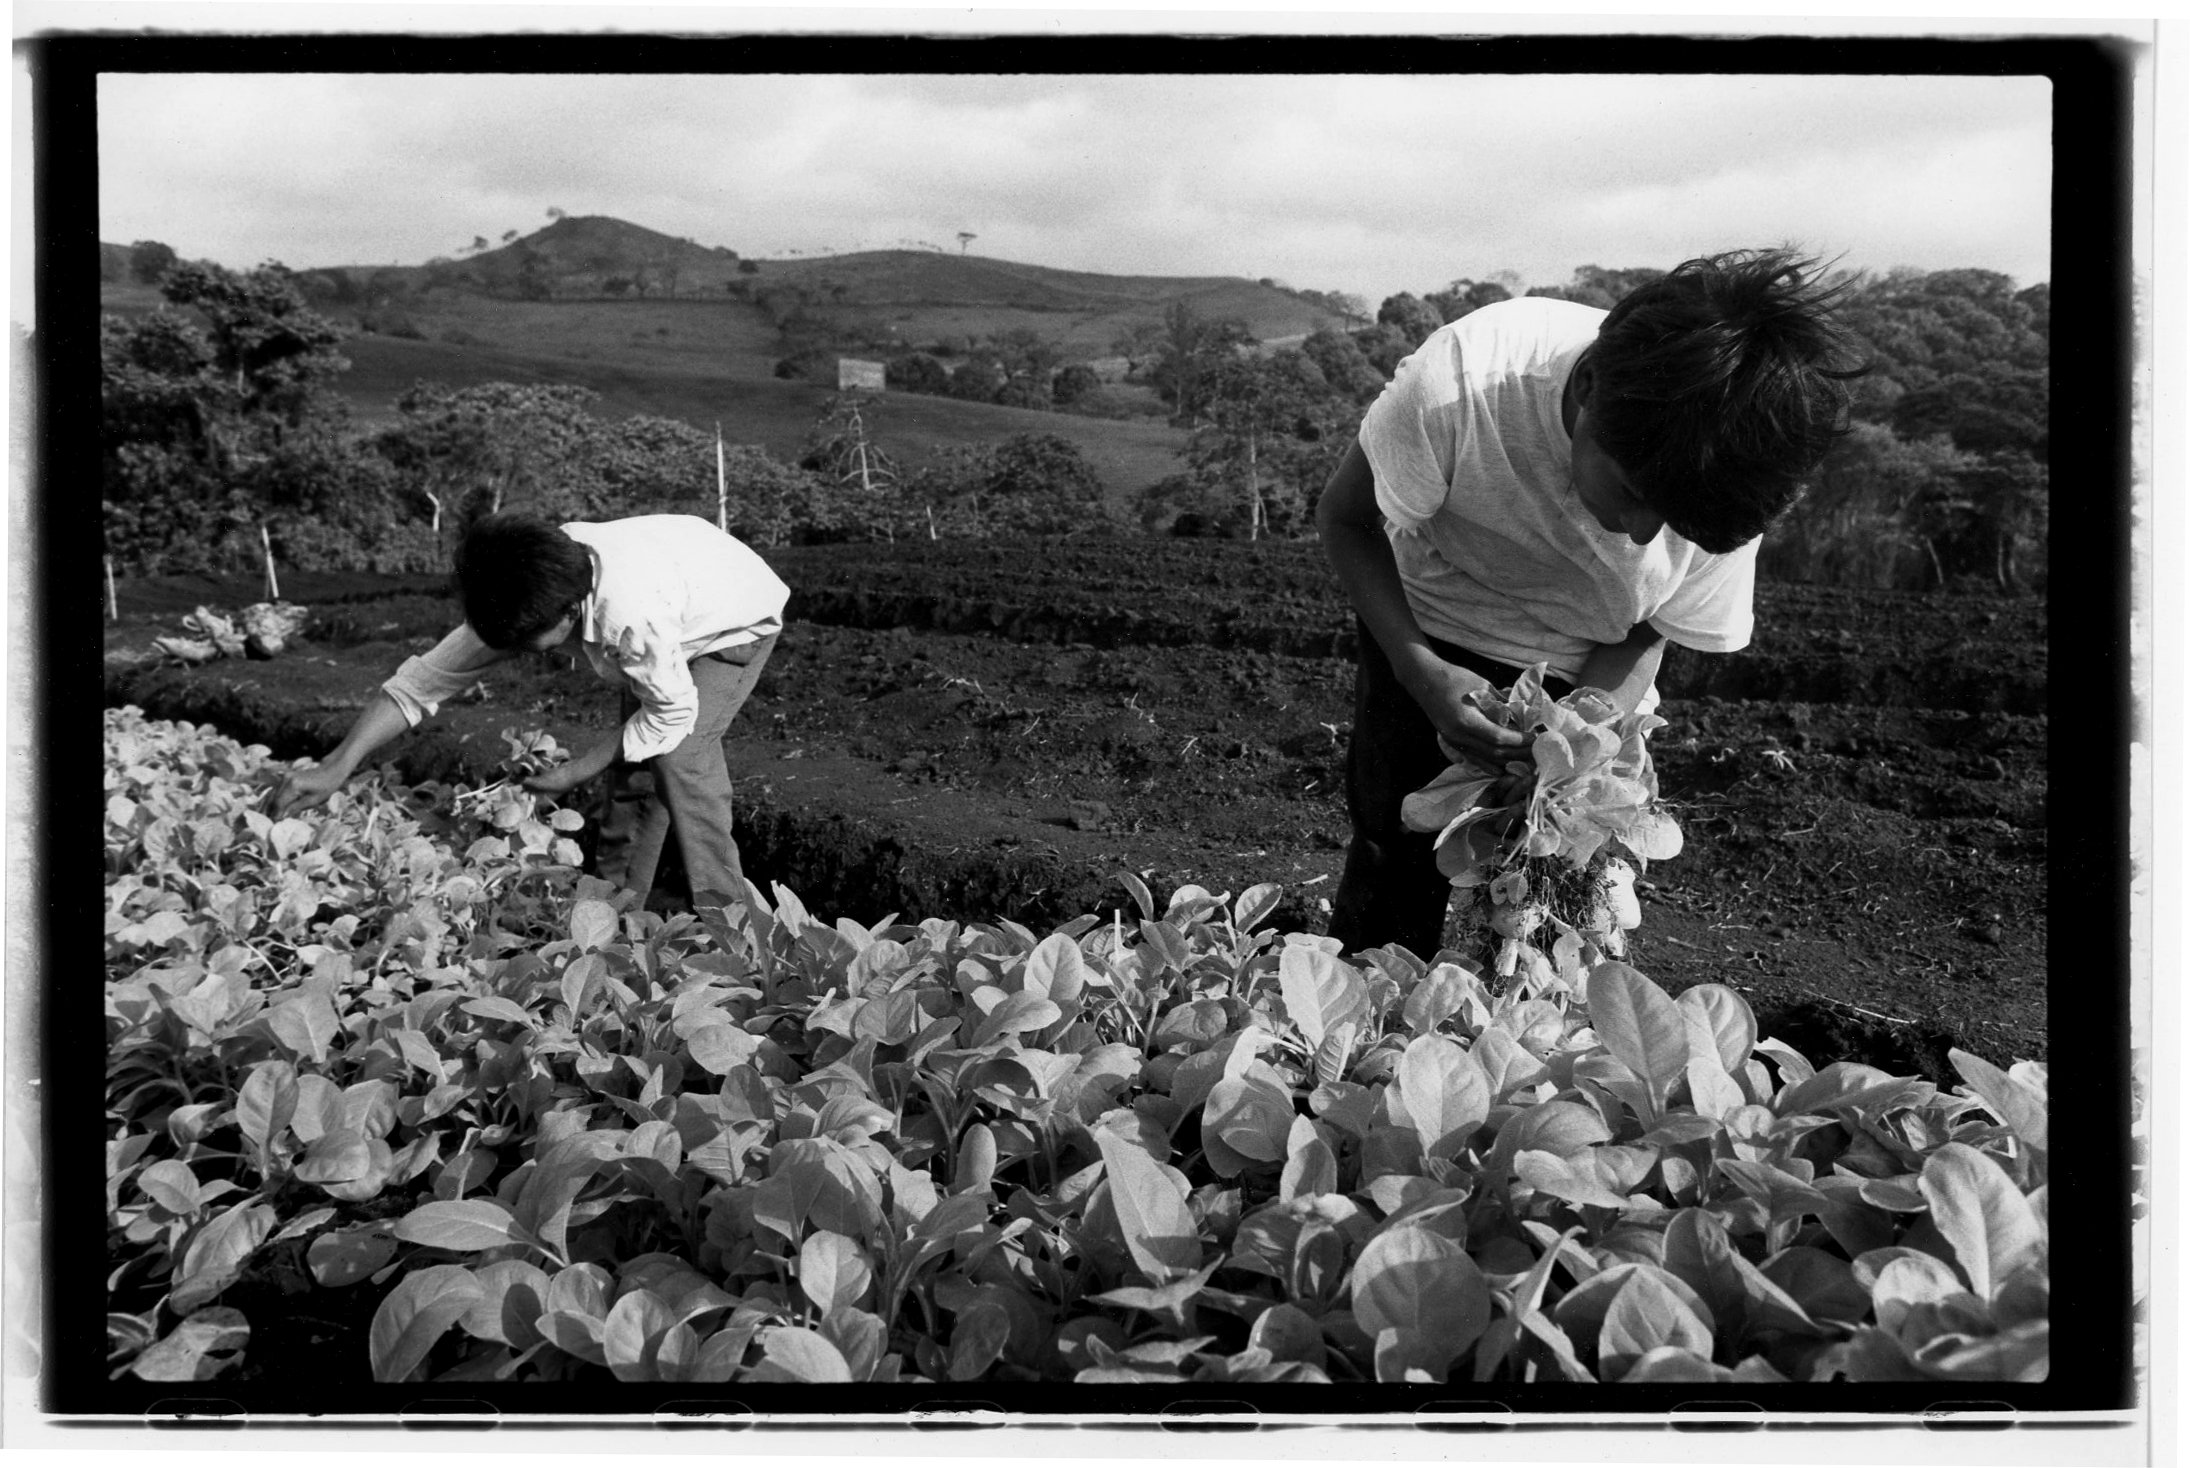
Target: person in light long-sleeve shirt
{"x": 681, "y": 615}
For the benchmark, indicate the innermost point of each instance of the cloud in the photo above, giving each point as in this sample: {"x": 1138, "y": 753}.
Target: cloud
{"x": 1372, "y": 183}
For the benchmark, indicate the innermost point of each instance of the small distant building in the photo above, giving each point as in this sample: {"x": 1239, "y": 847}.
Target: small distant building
{"x": 852, "y": 373}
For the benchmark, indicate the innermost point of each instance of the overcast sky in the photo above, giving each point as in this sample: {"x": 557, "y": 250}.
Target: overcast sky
{"x": 1369, "y": 184}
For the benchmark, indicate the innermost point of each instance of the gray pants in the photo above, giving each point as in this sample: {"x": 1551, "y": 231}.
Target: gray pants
{"x": 690, "y": 791}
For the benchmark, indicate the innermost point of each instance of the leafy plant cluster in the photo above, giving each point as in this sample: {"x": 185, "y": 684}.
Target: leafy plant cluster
{"x": 1539, "y": 837}
{"x": 562, "y": 1138}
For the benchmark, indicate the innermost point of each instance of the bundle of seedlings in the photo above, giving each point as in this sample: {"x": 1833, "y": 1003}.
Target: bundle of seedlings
{"x": 1538, "y": 849}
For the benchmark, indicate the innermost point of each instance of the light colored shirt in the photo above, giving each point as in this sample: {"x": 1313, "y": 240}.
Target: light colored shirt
{"x": 1474, "y": 475}
{"x": 666, "y": 589}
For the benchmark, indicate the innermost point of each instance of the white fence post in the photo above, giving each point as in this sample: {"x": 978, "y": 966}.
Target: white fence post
{"x": 273, "y": 582}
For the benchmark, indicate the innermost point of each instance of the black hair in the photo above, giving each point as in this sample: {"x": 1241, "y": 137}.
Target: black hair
{"x": 1719, "y": 386}
{"x": 518, "y": 576}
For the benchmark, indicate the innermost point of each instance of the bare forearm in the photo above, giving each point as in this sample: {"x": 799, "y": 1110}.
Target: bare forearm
{"x": 376, "y": 724}
{"x": 1625, "y": 669}
{"x": 1361, "y": 554}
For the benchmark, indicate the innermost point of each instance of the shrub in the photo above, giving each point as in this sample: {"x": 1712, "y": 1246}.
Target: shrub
{"x": 1073, "y": 383}
{"x": 917, "y": 372}
{"x": 977, "y": 381}
{"x": 809, "y": 365}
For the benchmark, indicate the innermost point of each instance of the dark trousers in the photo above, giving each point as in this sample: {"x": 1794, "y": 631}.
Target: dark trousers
{"x": 690, "y": 792}
{"x": 1392, "y": 891}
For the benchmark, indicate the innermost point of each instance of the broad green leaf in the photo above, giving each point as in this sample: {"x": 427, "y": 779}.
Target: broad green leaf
{"x": 1541, "y": 1326}
{"x": 1442, "y": 1092}
{"x": 1138, "y": 891}
{"x": 1699, "y": 1254}
{"x": 1507, "y": 1065}
{"x": 2019, "y": 1108}
{"x": 1844, "y": 1085}
{"x": 1571, "y": 1178}
{"x": 1288, "y": 1333}
{"x": 1645, "y": 1315}
{"x": 1582, "y": 1310}
{"x": 1057, "y": 971}
{"x": 583, "y": 977}
{"x": 543, "y": 1206}
{"x": 1654, "y": 836}
{"x": 172, "y": 1185}
{"x": 1767, "y": 1307}
{"x": 1785, "y": 1195}
{"x": 1911, "y": 1279}
{"x": 305, "y": 1025}
{"x": 860, "y": 1338}
{"x": 581, "y": 1290}
{"x": 1980, "y": 1211}
{"x": 1320, "y": 991}
{"x": 264, "y": 1103}
{"x": 1311, "y": 1168}
{"x": 976, "y": 1160}
{"x": 833, "y": 1271}
{"x": 1717, "y": 1013}
{"x": 346, "y": 1255}
{"x": 1674, "y": 1363}
{"x": 1424, "y": 1286}
{"x": 319, "y": 1108}
{"x": 1014, "y": 1014}
{"x": 635, "y": 1325}
{"x": 337, "y": 1157}
{"x": 415, "y": 1314}
{"x": 1152, "y": 1213}
{"x": 592, "y": 925}
{"x": 2021, "y": 1354}
{"x": 1437, "y": 997}
{"x": 1557, "y": 1127}
{"x": 1823, "y": 1284}
{"x": 512, "y": 1295}
{"x": 216, "y": 1254}
{"x": 1639, "y": 1025}
{"x": 1245, "y": 1120}
{"x": 1336, "y": 1050}
{"x": 494, "y": 1006}
{"x": 889, "y": 1019}
{"x": 793, "y": 1353}
{"x": 815, "y": 1184}
{"x": 465, "y": 1227}
{"x": 723, "y": 1352}
{"x": 721, "y": 1048}
{"x": 1713, "y": 1092}
{"x": 978, "y": 1338}
{"x": 1255, "y": 904}
{"x": 198, "y": 1349}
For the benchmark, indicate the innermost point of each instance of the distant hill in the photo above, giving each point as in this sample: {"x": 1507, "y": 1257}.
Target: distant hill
{"x": 663, "y": 325}
{"x": 923, "y": 294}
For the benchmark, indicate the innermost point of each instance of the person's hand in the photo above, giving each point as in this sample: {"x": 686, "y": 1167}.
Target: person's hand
{"x": 303, "y": 790}
{"x": 1451, "y": 697}
{"x": 561, "y": 780}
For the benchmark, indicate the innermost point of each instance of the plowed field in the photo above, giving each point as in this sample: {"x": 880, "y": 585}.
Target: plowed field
{"x": 989, "y": 729}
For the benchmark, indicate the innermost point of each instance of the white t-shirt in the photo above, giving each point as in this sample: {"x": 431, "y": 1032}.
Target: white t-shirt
{"x": 1496, "y": 552}
{"x": 666, "y": 589}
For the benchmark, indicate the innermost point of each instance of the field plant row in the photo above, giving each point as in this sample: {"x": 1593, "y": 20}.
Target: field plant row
{"x": 560, "y": 1138}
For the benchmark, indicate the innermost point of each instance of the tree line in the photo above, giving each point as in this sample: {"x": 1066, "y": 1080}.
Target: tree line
{"x": 219, "y": 418}
{"x": 1941, "y": 478}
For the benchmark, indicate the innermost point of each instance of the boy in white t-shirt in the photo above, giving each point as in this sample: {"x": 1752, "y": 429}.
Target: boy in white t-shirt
{"x": 1544, "y": 481}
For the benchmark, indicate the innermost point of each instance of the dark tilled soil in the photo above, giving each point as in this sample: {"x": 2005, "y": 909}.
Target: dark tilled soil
{"x": 981, "y": 731}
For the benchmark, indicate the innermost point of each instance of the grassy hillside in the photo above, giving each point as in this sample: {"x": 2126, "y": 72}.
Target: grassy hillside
{"x": 667, "y": 326}
{"x": 753, "y": 407}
